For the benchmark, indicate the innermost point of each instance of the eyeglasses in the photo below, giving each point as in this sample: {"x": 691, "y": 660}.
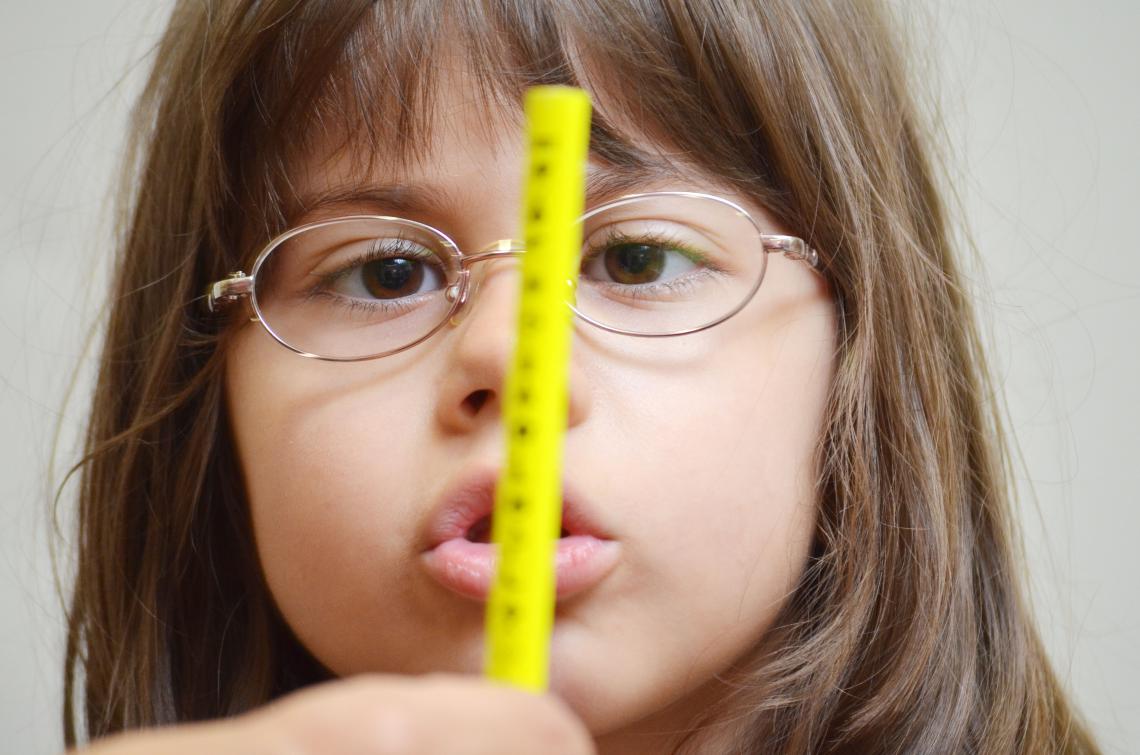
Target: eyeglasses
{"x": 362, "y": 287}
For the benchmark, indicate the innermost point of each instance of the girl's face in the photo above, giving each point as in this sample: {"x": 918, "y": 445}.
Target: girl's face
{"x": 694, "y": 454}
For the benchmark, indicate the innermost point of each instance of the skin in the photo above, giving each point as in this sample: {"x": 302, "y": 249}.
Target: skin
{"x": 695, "y": 454}
{"x": 378, "y": 715}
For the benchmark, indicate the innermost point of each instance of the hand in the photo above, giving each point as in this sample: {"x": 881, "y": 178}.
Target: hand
{"x": 440, "y": 714}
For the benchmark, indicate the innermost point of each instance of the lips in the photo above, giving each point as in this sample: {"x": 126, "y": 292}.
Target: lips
{"x": 460, "y": 557}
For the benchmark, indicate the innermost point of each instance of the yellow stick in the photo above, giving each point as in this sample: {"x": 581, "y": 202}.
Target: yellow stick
{"x": 528, "y": 499}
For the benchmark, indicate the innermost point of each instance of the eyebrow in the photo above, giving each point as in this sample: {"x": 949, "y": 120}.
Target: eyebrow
{"x": 604, "y": 182}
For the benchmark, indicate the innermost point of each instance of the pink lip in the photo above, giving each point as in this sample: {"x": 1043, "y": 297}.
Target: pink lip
{"x": 582, "y": 559}
{"x": 467, "y": 568}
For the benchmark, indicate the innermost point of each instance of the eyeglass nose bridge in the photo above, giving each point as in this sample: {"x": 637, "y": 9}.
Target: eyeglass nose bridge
{"x": 462, "y": 290}
{"x": 498, "y": 249}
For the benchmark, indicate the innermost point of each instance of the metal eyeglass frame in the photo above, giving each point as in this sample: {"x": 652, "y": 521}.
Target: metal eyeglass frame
{"x": 237, "y": 285}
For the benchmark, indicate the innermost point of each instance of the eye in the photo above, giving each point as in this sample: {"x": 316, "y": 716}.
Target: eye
{"x": 390, "y": 269}
{"x": 393, "y": 277}
{"x": 641, "y": 260}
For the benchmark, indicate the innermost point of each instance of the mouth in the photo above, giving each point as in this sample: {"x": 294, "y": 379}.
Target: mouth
{"x": 480, "y": 532}
{"x": 462, "y": 558}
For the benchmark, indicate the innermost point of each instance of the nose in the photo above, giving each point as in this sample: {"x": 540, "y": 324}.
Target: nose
{"x": 483, "y": 345}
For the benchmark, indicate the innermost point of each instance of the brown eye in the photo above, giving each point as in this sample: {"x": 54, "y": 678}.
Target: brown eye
{"x": 392, "y": 269}
{"x": 634, "y": 262}
{"x": 639, "y": 263}
{"x": 392, "y": 277}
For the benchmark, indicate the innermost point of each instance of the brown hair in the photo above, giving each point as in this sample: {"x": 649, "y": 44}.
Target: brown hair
{"x": 909, "y": 630}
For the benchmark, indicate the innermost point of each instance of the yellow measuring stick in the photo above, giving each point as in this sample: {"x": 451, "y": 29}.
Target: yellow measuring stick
{"x": 528, "y": 499}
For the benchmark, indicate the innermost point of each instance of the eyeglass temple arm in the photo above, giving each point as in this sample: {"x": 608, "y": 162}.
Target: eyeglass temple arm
{"x": 792, "y": 247}
{"x": 229, "y": 289}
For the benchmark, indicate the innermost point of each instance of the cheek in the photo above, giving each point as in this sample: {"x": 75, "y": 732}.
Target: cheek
{"x": 732, "y": 521}
{"x": 709, "y": 471}
{"x": 725, "y": 463}
{"x": 326, "y": 464}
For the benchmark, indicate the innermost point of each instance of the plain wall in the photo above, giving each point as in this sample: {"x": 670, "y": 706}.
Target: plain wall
{"x": 1040, "y": 101}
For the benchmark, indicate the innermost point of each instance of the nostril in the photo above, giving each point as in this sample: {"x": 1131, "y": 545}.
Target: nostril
{"x": 476, "y": 399}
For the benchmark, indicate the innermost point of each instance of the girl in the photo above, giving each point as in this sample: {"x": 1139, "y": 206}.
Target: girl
{"x": 786, "y": 527}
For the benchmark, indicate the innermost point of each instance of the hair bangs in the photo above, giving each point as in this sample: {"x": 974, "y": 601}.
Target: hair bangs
{"x": 369, "y": 84}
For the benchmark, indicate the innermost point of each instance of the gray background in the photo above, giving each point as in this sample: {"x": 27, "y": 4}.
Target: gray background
{"x": 1040, "y": 102}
